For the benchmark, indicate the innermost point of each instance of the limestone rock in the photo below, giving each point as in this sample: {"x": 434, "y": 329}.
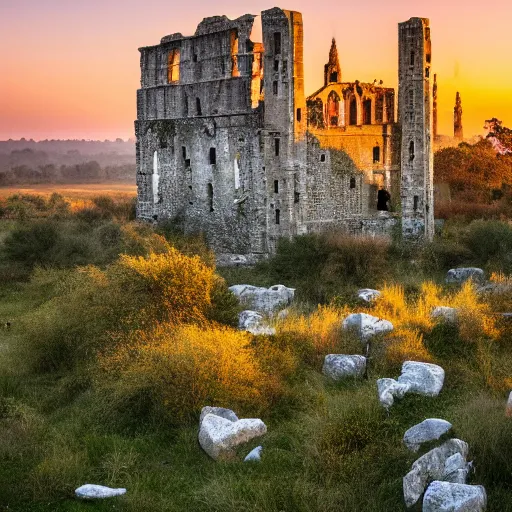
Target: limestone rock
{"x": 509, "y": 405}
{"x": 460, "y": 275}
{"x": 339, "y": 366}
{"x": 254, "y": 455}
{"x": 456, "y": 469}
{"x": 428, "y": 430}
{"x": 227, "y": 414}
{"x": 264, "y": 300}
{"x": 389, "y": 389}
{"x": 366, "y": 325}
{"x": 422, "y": 378}
{"x": 368, "y": 294}
{"x": 219, "y": 437}
{"x": 445, "y": 313}
{"x": 449, "y": 497}
{"x": 428, "y": 467}
{"x": 253, "y": 322}
{"x": 92, "y": 492}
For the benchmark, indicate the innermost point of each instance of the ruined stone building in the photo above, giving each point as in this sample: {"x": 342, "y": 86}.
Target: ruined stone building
{"x": 458, "y": 132}
{"x": 228, "y": 144}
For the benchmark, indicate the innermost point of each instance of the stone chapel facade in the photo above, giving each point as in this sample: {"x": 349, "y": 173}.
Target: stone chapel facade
{"x": 229, "y": 145}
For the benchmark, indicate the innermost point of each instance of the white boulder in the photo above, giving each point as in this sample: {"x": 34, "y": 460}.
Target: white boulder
{"x": 445, "y": 313}
{"x": 509, "y": 405}
{"x": 366, "y": 325}
{"x": 389, "y": 389}
{"x": 428, "y": 467}
{"x": 264, "y": 300}
{"x": 428, "y": 430}
{"x": 254, "y": 455}
{"x": 422, "y": 378}
{"x": 95, "y": 492}
{"x": 227, "y": 414}
{"x": 219, "y": 437}
{"x": 449, "y": 497}
{"x": 460, "y": 275}
{"x": 456, "y": 469}
{"x": 339, "y": 366}
{"x": 368, "y": 294}
{"x": 253, "y": 322}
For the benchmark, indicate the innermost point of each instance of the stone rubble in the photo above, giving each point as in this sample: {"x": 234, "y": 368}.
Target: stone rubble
{"x": 460, "y": 275}
{"x": 451, "y": 497}
{"x": 368, "y": 294}
{"x": 253, "y": 322}
{"x": 219, "y": 437}
{"x": 217, "y": 411}
{"x": 428, "y": 430}
{"x": 428, "y": 467}
{"x": 254, "y": 455}
{"x": 264, "y": 300}
{"x": 95, "y": 492}
{"x": 339, "y": 366}
{"x": 366, "y": 326}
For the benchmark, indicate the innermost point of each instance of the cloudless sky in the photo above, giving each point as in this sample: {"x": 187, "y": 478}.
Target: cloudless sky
{"x": 70, "y": 68}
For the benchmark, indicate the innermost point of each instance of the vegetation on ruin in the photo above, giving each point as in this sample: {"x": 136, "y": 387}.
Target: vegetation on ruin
{"x": 121, "y": 332}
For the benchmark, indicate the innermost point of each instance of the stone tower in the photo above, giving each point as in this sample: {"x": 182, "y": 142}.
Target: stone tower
{"x": 332, "y": 70}
{"x": 434, "y": 107}
{"x": 285, "y": 122}
{"x": 457, "y": 118}
{"x": 416, "y": 120}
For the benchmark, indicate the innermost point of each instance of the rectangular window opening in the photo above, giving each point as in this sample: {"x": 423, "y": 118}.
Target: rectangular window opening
{"x": 411, "y": 59}
{"x": 277, "y": 146}
{"x": 213, "y": 156}
{"x": 184, "y": 152}
{"x": 277, "y": 43}
{"x": 276, "y": 186}
{"x": 352, "y": 182}
{"x": 278, "y": 216}
{"x": 322, "y": 157}
{"x": 376, "y": 154}
{"x": 299, "y": 115}
{"x": 198, "y": 107}
{"x": 274, "y": 87}
{"x": 427, "y": 72}
{"x": 416, "y": 200}
{"x": 276, "y": 65}
{"x": 210, "y": 197}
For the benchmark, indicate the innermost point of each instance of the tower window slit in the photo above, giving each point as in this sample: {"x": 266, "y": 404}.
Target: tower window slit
{"x": 213, "y": 156}
{"x": 210, "y": 197}
{"x": 276, "y": 186}
{"x": 411, "y": 59}
{"x": 299, "y": 115}
{"x": 415, "y": 206}
{"x": 376, "y": 154}
{"x": 198, "y": 107}
{"x": 278, "y": 216}
{"x": 277, "y": 43}
{"x": 277, "y": 146}
{"x": 411, "y": 151}
{"x": 352, "y": 182}
{"x": 274, "y": 87}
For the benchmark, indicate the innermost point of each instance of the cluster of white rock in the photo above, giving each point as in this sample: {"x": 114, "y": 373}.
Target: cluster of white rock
{"x": 440, "y": 474}
{"x": 264, "y": 302}
{"x": 221, "y": 433}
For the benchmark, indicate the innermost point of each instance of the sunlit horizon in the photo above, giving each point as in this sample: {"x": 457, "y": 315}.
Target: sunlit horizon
{"x": 73, "y": 67}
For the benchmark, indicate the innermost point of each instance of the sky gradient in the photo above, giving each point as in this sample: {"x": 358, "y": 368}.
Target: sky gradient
{"x": 72, "y": 67}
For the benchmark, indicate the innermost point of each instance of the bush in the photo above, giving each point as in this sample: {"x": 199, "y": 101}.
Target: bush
{"x": 167, "y": 374}
{"x": 444, "y": 254}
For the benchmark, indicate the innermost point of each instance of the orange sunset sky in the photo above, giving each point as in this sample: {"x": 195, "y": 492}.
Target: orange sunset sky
{"x": 71, "y": 67}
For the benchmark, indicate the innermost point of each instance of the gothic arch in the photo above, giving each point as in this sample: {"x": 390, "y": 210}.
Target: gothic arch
{"x": 333, "y": 109}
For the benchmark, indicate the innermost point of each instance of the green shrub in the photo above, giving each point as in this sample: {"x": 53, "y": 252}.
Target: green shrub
{"x": 443, "y": 254}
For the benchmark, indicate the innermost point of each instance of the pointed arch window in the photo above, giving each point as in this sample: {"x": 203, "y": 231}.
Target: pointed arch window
{"x": 333, "y": 109}
{"x": 353, "y": 111}
{"x": 173, "y": 65}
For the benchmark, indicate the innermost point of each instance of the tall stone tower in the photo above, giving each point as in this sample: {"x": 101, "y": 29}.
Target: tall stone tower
{"x": 457, "y": 118}
{"x": 416, "y": 120}
{"x": 332, "y": 70}
{"x": 434, "y": 107}
{"x": 285, "y": 121}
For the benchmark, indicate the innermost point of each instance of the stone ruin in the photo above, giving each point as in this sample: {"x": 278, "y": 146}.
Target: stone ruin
{"x": 229, "y": 145}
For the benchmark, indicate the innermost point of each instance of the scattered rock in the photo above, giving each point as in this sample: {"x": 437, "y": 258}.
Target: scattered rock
{"x": 227, "y": 414}
{"x": 264, "y": 300}
{"x": 445, "y": 313}
{"x": 428, "y": 467}
{"x": 509, "y": 405}
{"x": 95, "y": 492}
{"x": 428, "y": 430}
{"x": 456, "y": 469}
{"x": 460, "y": 275}
{"x": 253, "y": 322}
{"x": 338, "y": 366}
{"x": 449, "y": 497}
{"x": 366, "y": 325}
{"x": 254, "y": 455}
{"x": 368, "y": 294}
{"x": 389, "y": 389}
{"x": 219, "y": 437}
{"x": 422, "y": 378}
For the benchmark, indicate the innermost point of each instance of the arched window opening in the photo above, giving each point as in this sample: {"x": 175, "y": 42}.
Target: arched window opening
{"x": 213, "y": 156}
{"x": 353, "y": 111}
{"x": 155, "y": 179}
{"x": 333, "y": 109}
{"x": 376, "y": 154}
{"x": 367, "y": 112}
{"x": 234, "y": 53}
{"x": 278, "y": 216}
{"x": 198, "y": 107}
{"x": 210, "y": 197}
{"x": 173, "y": 65}
{"x": 411, "y": 151}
